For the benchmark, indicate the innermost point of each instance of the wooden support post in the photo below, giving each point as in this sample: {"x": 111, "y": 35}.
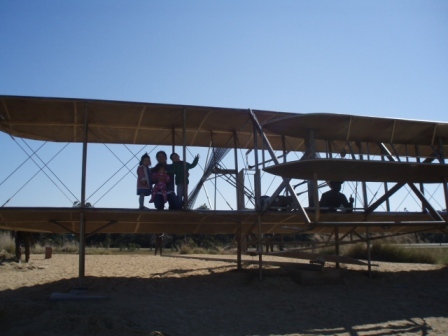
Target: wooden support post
{"x": 82, "y": 224}
{"x": 184, "y": 154}
{"x": 238, "y": 185}
{"x": 260, "y": 249}
{"x": 238, "y": 246}
{"x": 369, "y": 261}
{"x": 336, "y": 238}
{"x": 316, "y": 199}
{"x": 445, "y": 190}
{"x": 310, "y": 144}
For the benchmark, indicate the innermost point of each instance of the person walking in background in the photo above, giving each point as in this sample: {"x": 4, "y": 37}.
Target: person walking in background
{"x": 144, "y": 182}
{"x": 25, "y": 239}
{"x": 269, "y": 242}
{"x": 159, "y": 243}
{"x": 178, "y": 170}
{"x": 159, "y": 202}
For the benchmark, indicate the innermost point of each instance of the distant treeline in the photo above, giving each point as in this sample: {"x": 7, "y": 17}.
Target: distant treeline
{"x": 116, "y": 240}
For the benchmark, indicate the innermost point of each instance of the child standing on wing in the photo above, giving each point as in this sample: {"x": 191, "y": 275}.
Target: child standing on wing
{"x": 178, "y": 170}
{"x": 160, "y": 179}
{"x": 144, "y": 181}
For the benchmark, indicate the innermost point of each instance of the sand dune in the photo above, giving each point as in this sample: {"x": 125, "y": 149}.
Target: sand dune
{"x": 193, "y": 295}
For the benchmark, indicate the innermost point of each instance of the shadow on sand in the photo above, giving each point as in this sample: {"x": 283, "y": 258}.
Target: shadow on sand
{"x": 179, "y": 302}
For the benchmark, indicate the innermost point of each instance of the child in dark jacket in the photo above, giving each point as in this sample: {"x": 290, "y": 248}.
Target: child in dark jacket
{"x": 178, "y": 170}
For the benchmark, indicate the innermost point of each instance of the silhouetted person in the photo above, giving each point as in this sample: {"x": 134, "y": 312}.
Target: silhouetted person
{"x": 161, "y": 179}
{"x": 159, "y": 243}
{"x": 144, "y": 181}
{"x": 177, "y": 168}
{"x": 269, "y": 242}
{"x": 25, "y": 239}
{"x": 334, "y": 199}
{"x": 159, "y": 201}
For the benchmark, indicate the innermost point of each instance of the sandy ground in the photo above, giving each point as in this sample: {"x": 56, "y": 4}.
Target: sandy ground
{"x": 194, "y": 295}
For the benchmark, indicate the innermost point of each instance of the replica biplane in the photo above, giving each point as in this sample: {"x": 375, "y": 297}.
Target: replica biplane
{"x": 329, "y": 147}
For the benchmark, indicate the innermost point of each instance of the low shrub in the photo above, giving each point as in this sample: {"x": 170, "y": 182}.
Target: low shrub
{"x": 7, "y": 243}
{"x": 188, "y": 249}
{"x": 131, "y": 247}
{"x": 98, "y": 251}
{"x": 390, "y": 253}
{"x": 68, "y": 247}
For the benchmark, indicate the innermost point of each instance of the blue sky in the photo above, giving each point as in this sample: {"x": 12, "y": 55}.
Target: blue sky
{"x": 375, "y": 58}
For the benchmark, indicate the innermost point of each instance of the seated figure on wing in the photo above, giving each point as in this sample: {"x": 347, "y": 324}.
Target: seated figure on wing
{"x": 334, "y": 199}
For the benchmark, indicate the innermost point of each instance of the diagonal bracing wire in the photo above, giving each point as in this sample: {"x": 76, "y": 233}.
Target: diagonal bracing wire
{"x": 432, "y": 195}
{"x": 124, "y": 165}
{"x": 129, "y": 170}
{"x": 105, "y": 182}
{"x": 107, "y": 191}
{"x": 46, "y": 165}
{"x": 20, "y": 165}
{"x": 40, "y": 169}
{"x": 116, "y": 156}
